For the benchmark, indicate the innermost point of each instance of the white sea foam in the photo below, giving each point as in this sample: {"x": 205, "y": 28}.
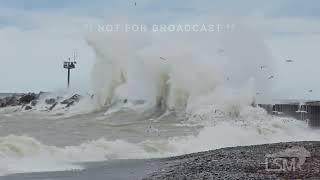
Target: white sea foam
{"x": 252, "y": 126}
{"x": 129, "y": 65}
{"x": 20, "y": 154}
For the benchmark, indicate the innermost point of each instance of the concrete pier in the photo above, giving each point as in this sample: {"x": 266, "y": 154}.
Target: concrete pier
{"x": 307, "y": 111}
{"x": 314, "y": 116}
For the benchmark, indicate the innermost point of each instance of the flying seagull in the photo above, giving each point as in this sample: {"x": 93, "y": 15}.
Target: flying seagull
{"x": 163, "y": 58}
{"x": 289, "y": 60}
{"x": 262, "y": 67}
{"x": 271, "y": 77}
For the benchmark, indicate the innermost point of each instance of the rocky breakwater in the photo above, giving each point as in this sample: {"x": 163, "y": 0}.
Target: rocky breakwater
{"x": 29, "y": 101}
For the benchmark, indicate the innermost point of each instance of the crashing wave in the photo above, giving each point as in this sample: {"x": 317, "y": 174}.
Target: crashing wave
{"x": 129, "y": 66}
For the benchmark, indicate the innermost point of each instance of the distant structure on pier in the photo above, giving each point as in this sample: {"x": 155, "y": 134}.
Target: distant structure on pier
{"x": 70, "y": 65}
{"x": 308, "y": 111}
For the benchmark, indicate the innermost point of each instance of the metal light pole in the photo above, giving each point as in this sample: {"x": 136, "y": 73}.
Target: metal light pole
{"x": 70, "y": 65}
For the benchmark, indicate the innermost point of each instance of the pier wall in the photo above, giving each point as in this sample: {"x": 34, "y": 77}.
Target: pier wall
{"x": 314, "y": 116}
{"x": 309, "y": 112}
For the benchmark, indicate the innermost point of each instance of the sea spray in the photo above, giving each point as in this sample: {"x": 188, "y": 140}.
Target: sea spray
{"x": 172, "y": 68}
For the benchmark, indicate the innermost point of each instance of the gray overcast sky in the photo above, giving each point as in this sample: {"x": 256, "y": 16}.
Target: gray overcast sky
{"x": 36, "y": 36}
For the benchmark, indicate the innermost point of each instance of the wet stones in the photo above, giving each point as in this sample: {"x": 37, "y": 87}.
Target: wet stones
{"x": 53, "y": 106}
{"x": 10, "y": 101}
{"x": 27, "y": 108}
{"x": 30, "y": 100}
{"x": 71, "y": 100}
{"x": 27, "y": 98}
{"x": 34, "y": 103}
{"x": 50, "y": 101}
{"x": 246, "y": 162}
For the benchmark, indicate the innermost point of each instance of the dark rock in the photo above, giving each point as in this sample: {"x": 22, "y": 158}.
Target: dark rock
{"x": 27, "y": 108}
{"x": 70, "y": 101}
{"x": 27, "y": 98}
{"x": 12, "y": 101}
{"x": 2, "y": 103}
{"x": 53, "y": 106}
{"x": 32, "y": 99}
{"x": 50, "y": 101}
{"x": 70, "y": 104}
{"x": 34, "y": 103}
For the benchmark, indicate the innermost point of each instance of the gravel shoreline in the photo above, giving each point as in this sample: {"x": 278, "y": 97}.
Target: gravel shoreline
{"x": 243, "y": 162}
{"x": 246, "y": 162}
